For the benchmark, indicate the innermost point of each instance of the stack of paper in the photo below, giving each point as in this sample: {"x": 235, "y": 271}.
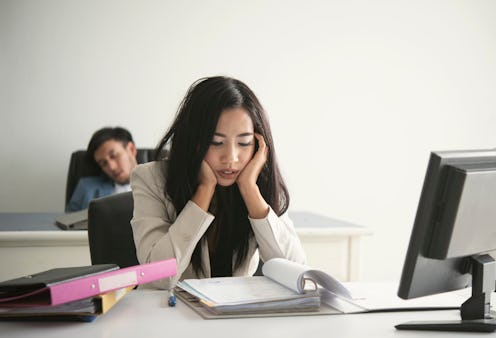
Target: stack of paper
{"x": 236, "y": 295}
{"x": 288, "y": 288}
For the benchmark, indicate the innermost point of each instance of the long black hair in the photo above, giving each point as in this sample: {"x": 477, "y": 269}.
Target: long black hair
{"x": 188, "y": 140}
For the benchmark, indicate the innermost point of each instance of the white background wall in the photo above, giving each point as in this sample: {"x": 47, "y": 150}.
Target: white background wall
{"x": 358, "y": 92}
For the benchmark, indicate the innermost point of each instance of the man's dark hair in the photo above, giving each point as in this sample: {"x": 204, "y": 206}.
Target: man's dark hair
{"x": 103, "y": 135}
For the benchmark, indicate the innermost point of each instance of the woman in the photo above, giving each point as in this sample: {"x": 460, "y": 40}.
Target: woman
{"x": 219, "y": 201}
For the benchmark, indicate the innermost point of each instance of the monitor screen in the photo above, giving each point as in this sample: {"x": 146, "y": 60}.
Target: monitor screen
{"x": 454, "y": 224}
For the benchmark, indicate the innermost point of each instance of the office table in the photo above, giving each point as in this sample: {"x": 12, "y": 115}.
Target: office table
{"x": 31, "y": 242}
{"x": 144, "y": 313}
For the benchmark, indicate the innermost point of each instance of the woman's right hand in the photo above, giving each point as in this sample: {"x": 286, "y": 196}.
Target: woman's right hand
{"x": 206, "y": 176}
{"x": 206, "y": 186}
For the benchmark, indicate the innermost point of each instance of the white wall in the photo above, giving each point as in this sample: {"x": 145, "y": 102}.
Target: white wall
{"x": 358, "y": 92}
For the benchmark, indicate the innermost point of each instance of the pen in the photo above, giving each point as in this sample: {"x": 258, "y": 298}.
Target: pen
{"x": 172, "y": 298}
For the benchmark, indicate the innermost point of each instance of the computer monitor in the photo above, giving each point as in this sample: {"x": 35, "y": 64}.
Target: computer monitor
{"x": 454, "y": 229}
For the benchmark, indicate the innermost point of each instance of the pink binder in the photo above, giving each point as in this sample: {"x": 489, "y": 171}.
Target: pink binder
{"x": 88, "y": 286}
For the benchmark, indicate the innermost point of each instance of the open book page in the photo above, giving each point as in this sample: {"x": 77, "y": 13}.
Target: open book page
{"x": 285, "y": 286}
{"x": 296, "y": 276}
{"x": 380, "y": 296}
{"x": 237, "y": 290}
{"x": 288, "y": 309}
{"x": 285, "y": 272}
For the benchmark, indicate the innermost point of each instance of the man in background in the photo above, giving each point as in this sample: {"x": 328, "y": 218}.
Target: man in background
{"x": 114, "y": 151}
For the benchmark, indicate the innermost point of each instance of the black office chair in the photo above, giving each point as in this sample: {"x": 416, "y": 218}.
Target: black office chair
{"x": 109, "y": 230}
{"x": 80, "y": 166}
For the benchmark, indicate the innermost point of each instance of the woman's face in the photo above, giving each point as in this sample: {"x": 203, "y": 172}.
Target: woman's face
{"x": 232, "y": 145}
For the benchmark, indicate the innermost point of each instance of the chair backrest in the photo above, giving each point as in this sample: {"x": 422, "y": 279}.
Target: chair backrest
{"x": 80, "y": 166}
{"x": 109, "y": 230}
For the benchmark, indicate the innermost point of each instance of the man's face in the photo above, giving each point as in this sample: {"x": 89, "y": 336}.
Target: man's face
{"x": 116, "y": 160}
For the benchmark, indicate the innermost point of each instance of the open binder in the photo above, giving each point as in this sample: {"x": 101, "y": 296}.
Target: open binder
{"x": 286, "y": 287}
{"x": 292, "y": 289}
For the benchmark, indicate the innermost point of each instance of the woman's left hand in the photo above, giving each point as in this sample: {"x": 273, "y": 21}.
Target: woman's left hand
{"x": 249, "y": 175}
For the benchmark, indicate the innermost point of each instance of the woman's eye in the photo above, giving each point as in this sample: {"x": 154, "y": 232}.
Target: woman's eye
{"x": 245, "y": 144}
{"x": 214, "y": 143}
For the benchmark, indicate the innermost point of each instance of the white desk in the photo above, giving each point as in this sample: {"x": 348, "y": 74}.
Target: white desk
{"x": 31, "y": 243}
{"x": 330, "y": 244}
{"x": 144, "y": 313}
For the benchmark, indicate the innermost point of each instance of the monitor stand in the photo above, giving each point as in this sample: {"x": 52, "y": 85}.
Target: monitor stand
{"x": 474, "y": 325}
{"x": 475, "y": 312}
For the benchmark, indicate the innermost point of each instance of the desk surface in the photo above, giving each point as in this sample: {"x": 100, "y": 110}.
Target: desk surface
{"x": 28, "y": 229}
{"x": 29, "y": 221}
{"x": 46, "y": 222}
{"x": 144, "y": 313}
{"x": 32, "y": 242}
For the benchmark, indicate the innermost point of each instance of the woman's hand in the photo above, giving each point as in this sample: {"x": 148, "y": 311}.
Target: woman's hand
{"x": 249, "y": 175}
{"x": 206, "y": 176}
{"x": 206, "y": 186}
{"x": 247, "y": 182}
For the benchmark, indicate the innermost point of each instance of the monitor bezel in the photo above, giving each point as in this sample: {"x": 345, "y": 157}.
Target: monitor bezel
{"x": 422, "y": 276}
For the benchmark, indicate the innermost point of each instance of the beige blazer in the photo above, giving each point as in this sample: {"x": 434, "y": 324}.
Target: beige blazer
{"x": 159, "y": 233}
